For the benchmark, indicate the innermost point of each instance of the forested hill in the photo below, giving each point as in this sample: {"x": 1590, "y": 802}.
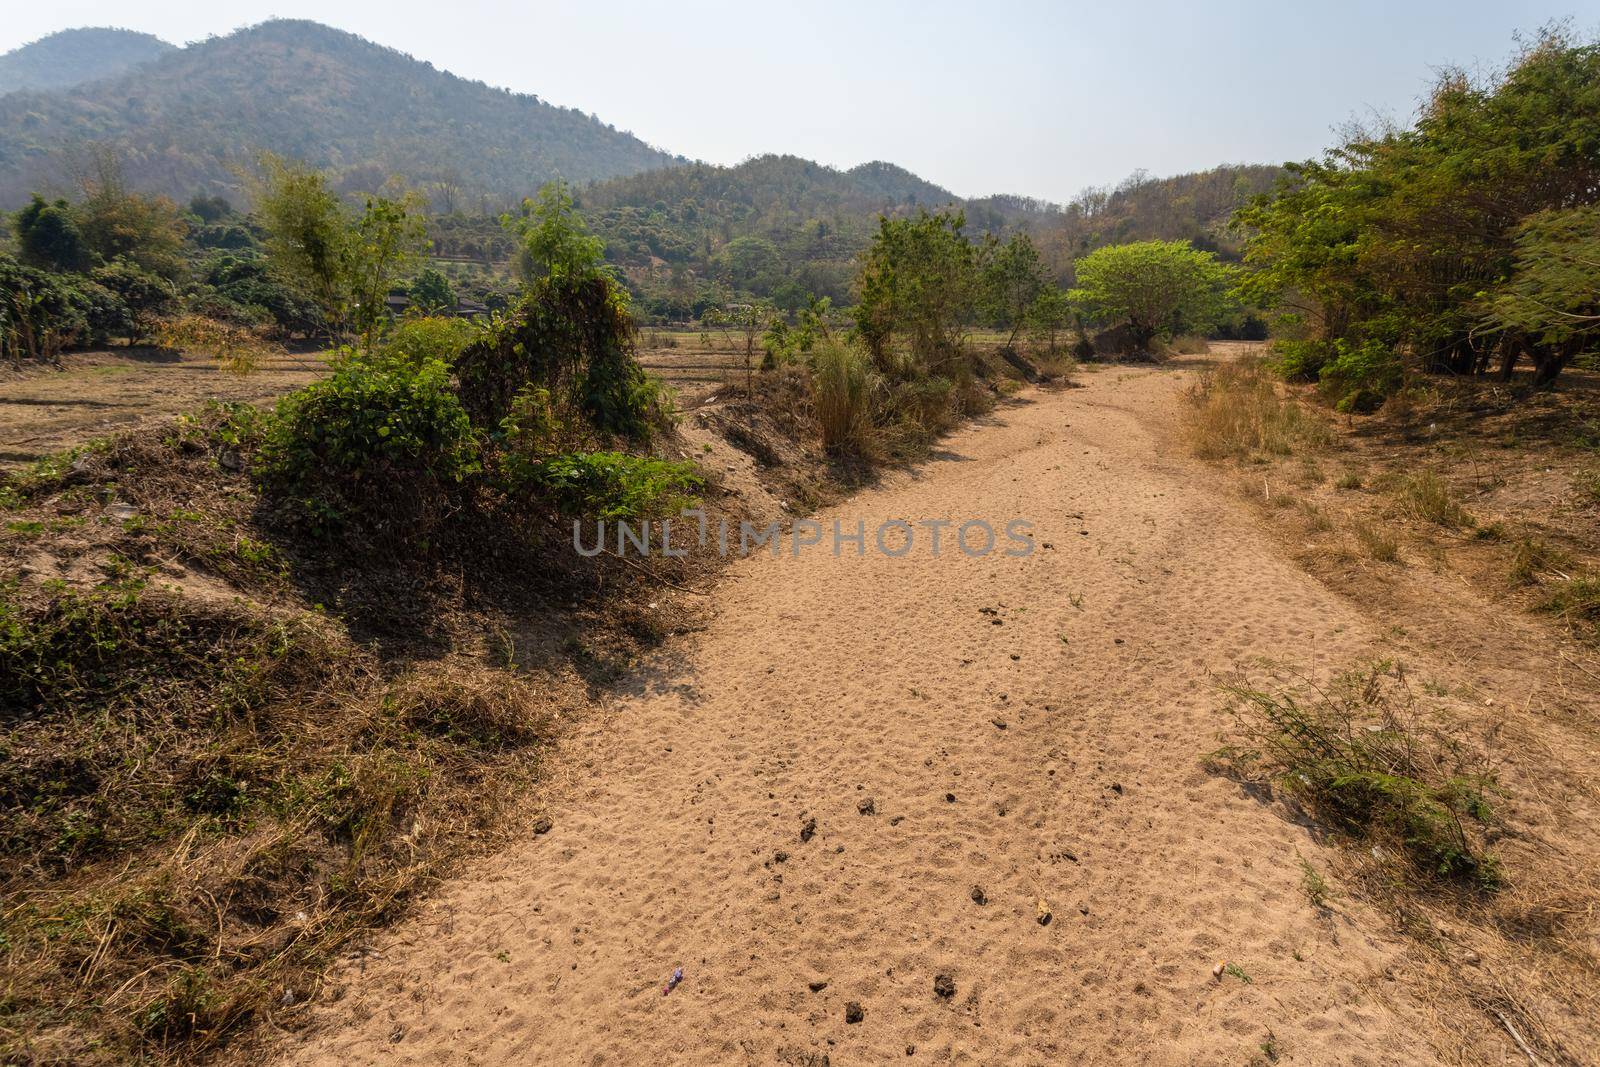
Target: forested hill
{"x": 1195, "y": 207}
{"x": 785, "y": 227}
{"x": 184, "y": 122}
{"x": 72, "y": 57}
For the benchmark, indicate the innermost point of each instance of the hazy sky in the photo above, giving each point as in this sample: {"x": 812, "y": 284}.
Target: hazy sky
{"x": 997, "y": 96}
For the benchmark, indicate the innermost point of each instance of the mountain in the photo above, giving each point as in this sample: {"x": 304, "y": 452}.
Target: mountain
{"x": 72, "y": 57}
{"x": 186, "y": 122}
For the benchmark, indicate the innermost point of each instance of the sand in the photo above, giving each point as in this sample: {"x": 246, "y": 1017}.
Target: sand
{"x": 1052, "y": 761}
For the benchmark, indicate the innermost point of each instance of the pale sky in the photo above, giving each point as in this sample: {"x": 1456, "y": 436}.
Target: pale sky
{"x": 1035, "y": 98}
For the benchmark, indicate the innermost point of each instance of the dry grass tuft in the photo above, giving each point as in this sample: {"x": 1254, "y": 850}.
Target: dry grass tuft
{"x": 1425, "y": 496}
{"x": 1237, "y": 412}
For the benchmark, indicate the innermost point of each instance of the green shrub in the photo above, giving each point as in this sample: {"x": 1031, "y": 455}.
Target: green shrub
{"x": 1360, "y": 375}
{"x": 1357, "y": 756}
{"x": 574, "y": 337}
{"x": 612, "y": 485}
{"x": 384, "y": 438}
{"x": 417, "y": 339}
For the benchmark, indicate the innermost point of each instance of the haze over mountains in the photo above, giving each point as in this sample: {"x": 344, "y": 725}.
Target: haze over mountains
{"x": 185, "y": 121}
{"x": 73, "y": 57}
{"x": 188, "y": 121}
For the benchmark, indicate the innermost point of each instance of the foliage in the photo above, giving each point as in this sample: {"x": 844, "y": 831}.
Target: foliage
{"x": 843, "y": 383}
{"x": 40, "y": 313}
{"x": 237, "y": 349}
{"x": 431, "y": 293}
{"x": 919, "y": 281}
{"x": 1013, "y": 279}
{"x": 554, "y": 240}
{"x": 571, "y": 335}
{"x": 1429, "y": 242}
{"x": 146, "y": 296}
{"x": 611, "y": 485}
{"x": 1155, "y": 288}
{"x": 119, "y": 224}
{"x": 306, "y": 232}
{"x": 382, "y": 442}
{"x": 385, "y": 241}
{"x": 416, "y": 339}
{"x": 48, "y": 236}
{"x": 1551, "y": 296}
{"x": 1358, "y": 755}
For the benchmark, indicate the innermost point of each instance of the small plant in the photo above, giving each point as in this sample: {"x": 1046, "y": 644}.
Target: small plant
{"x": 1313, "y": 884}
{"x": 1587, "y": 483}
{"x": 1233, "y": 970}
{"x": 1356, "y": 754}
{"x": 1348, "y": 481}
{"x": 614, "y": 485}
{"x": 843, "y": 382}
{"x": 1377, "y": 544}
{"x": 1425, "y": 496}
{"x": 1576, "y": 601}
{"x": 1534, "y": 557}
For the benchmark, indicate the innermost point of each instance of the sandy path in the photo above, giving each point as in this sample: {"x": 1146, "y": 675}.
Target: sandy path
{"x": 826, "y": 681}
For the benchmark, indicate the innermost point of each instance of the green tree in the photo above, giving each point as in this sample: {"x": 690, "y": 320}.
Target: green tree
{"x": 384, "y": 242}
{"x": 1155, "y": 288}
{"x": 306, "y": 233}
{"x": 919, "y": 281}
{"x": 1048, "y": 315}
{"x": 146, "y": 296}
{"x": 1549, "y": 307}
{"x": 120, "y": 224}
{"x": 1383, "y": 253}
{"x": 431, "y": 293}
{"x": 48, "y": 236}
{"x": 1013, "y": 279}
{"x": 554, "y": 241}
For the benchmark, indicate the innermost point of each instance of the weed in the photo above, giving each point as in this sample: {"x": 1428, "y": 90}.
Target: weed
{"x": 1575, "y": 601}
{"x": 1377, "y": 544}
{"x": 1313, "y": 884}
{"x": 1425, "y": 496}
{"x": 1534, "y": 557}
{"x": 1349, "y": 480}
{"x": 1236, "y": 412}
{"x": 843, "y": 381}
{"x": 1356, "y": 755}
{"x": 1233, "y": 970}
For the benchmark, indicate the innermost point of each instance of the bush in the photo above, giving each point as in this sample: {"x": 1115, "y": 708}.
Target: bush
{"x": 382, "y": 439}
{"x": 843, "y": 382}
{"x": 611, "y": 485}
{"x": 417, "y": 339}
{"x": 1357, "y": 756}
{"x": 1425, "y": 496}
{"x": 572, "y": 336}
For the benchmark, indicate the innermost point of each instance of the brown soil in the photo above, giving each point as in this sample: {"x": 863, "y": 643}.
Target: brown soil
{"x": 954, "y": 809}
{"x": 45, "y": 410}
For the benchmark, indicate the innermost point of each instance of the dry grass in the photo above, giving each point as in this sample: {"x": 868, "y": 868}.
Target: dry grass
{"x": 1238, "y": 412}
{"x": 1425, "y": 496}
{"x": 1376, "y": 543}
{"x": 211, "y": 782}
{"x": 843, "y": 383}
